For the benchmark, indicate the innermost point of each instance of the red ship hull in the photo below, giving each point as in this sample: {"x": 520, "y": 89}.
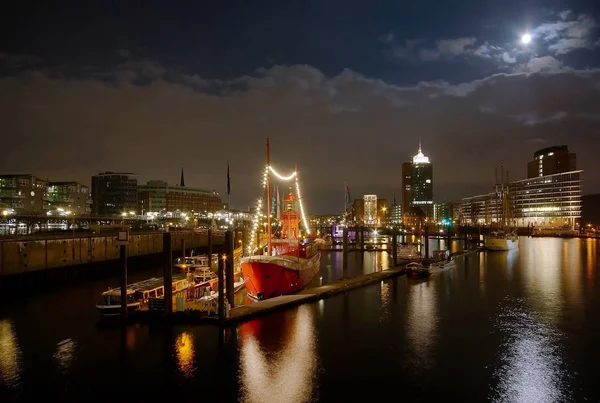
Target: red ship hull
{"x": 272, "y": 276}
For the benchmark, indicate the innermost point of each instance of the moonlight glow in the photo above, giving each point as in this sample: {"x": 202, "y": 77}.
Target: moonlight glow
{"x": 525, "y": 39}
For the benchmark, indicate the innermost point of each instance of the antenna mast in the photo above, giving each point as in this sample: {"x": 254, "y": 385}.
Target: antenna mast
{"x": 268, "y": 199}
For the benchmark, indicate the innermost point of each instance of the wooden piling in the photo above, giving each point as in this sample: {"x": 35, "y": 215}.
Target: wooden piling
{"x": 395, "y": 246}
{"x": 168, "y": 272}
{"x": 362, "y": 239}
{"x": 229, "y": 280}
{"x": 123, "y": 259}
{"x": 426, "y": 240}
{"x": 210, "y": 247}
{"x": 345, "y": 252}
{"x": 221, "y": 283}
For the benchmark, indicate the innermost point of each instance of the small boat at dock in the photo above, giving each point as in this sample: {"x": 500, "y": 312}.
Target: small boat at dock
{"x": 419, "y": 269}
{"x": 408, "y": 254}
{"x": 138, "y": 294}
{"x": 192, "y": 263}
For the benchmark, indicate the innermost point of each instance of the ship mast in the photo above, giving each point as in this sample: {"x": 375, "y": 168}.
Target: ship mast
{"x": 268, "y": 199}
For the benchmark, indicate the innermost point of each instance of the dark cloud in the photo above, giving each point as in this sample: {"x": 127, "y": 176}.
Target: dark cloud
{"x": 342, "y": 128}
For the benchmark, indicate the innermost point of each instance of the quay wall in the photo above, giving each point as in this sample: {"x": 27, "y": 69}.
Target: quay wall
{"x": 32, "y": 255}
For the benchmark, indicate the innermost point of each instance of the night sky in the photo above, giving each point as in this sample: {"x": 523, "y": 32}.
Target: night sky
{"x": 345, "y": 89}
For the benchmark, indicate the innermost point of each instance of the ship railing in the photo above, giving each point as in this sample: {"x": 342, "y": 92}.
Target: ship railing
{"x": 291, "y": 262}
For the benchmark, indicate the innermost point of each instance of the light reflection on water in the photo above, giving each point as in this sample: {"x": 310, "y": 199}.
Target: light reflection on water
{"x": 184, "y": 349}
{"x": 385, "y": 302}
{"x": 10, "y": 355}
{"x": 284, "y": 368}
{"x": 422, "y": 321}
{"x": 530, "y": 358}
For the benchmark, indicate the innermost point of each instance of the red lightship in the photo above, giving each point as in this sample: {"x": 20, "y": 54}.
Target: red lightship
{"x": 289, "y": 262}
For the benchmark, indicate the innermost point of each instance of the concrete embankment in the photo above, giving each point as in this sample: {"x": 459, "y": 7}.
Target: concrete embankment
{"x": 19, "y": 256}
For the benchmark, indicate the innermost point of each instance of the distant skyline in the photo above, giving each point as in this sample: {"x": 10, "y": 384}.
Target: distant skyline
{"x": 344, "y": 89}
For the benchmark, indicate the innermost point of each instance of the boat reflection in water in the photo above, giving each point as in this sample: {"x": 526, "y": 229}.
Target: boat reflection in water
{"x": 65, "y": 354}
{"x": 278, "y": 357}
{"x": 184, "y": 350}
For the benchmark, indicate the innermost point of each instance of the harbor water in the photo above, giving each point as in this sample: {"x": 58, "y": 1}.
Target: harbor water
{"x": 518, "y": 326}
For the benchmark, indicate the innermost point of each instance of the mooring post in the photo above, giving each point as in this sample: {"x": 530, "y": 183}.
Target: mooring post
{"x": 426, "y": 240}
{"x": 221, "y": 282}
{"x": 229, "y": 280}
{"x": 449, "y": 235}
{"x": 345, "y": 252}
{"x": 168, "y": 272}
{"x": 362, "y": 239}
{"x": 182, "y": 249}
{"x": 210, "y": 247}
{"x": 395, "y": 246}
{"x": 123, "y": 258}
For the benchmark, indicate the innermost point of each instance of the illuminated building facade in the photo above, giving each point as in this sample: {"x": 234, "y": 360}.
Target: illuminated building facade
{"x": 370, "y": 209}
{"x": 72, "y": 197}
{"x": 395, "y": 216}
{"x": 158, "y": 196}
{"x": 480, "y": 210}
{"x": 547, "y": 201}
{"x": 417, "y": 184}
{"x": 23, "y": 194}
{"x": 114, "y": 193}
{"x": 547, "y": 198}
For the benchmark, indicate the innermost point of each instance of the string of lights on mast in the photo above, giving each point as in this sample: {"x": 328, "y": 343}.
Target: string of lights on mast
{"x": 259, "y": 205}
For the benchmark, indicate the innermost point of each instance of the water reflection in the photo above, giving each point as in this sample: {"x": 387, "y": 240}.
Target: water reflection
{"x": 385, "y": 302}
{"x": 530, "y": 359}
{"x": 64, "y": 355}
{"x": 184, "y": 349}
{"x": 543, "y": 278}
{"x": 278, "y": 357}
{"x": 10, "y": 355}
{"x": 422, "y": 321}
{"x": 592, "y": 253}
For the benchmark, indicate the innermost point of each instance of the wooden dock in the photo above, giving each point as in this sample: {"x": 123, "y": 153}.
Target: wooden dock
{"x": 247, "y": 312}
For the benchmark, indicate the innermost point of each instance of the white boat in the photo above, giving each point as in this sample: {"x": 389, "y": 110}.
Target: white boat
{"x": 192, "y": 263}
{"x": 418, "y": 269}
{"x": 209, "y": 302}
{"x": 111, "y": 302}
{"x": 408, "y": 254}
{"x": 499, "y": 241}
{"x": 505, "y": 236}
{"x": 138, "y": 294}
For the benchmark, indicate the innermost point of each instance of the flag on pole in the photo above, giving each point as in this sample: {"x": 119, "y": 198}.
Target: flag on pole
{"x": 228, "y": 180}
{"x": 347, "y": 193}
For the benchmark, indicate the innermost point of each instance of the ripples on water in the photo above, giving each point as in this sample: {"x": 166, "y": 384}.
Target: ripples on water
{"x": 65, "y": 352}
{"x": 530, "y": 367}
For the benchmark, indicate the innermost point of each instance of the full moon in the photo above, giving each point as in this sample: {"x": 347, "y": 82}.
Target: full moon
{"x": 526, "y": 39}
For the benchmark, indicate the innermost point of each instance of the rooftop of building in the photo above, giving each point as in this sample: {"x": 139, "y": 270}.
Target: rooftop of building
{"x": 159, "y": 184}
{"x": 63, "y": 183}
{"x": 548, "y": 150}
{"x": 420, "y": 158}
{"x": 110, "y": 173}
{"x": 17, "y": 176}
